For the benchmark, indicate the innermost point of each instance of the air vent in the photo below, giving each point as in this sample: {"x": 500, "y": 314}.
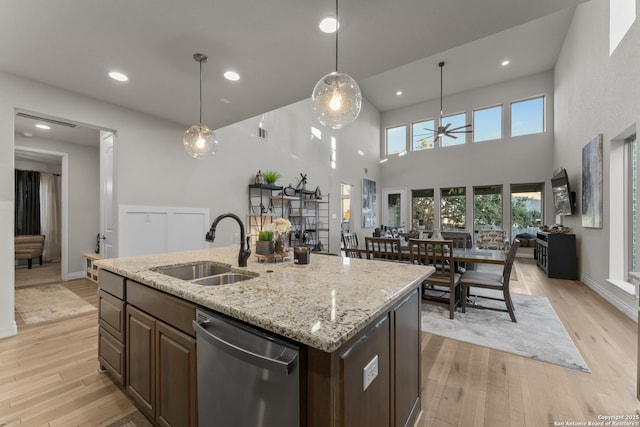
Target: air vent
{"x": 44, "y": 119}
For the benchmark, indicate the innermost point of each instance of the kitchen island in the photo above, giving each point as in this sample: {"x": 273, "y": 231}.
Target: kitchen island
{"x": 342, "y": 312}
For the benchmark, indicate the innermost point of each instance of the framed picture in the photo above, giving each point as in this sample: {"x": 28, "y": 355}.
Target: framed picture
{"x": 368, "y": 203}
{"x": 592, "y": 183}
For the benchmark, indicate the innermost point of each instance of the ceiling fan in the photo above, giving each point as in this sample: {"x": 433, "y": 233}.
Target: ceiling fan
{"x": 444, "y": 130}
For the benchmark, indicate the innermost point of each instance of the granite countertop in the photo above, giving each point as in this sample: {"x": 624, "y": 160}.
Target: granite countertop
{"x": 321, "y": 304}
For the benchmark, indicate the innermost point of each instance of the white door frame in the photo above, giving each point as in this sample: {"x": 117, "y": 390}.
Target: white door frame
{"x": 64, "y": 200}
{"x": 403, "y": 205}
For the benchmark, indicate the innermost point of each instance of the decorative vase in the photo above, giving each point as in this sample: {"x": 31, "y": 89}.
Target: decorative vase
{"x": 264, "y": 247}
{"x": 279, "y": 245}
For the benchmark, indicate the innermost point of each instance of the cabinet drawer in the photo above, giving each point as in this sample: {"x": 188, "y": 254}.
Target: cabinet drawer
{"x": 112, "y": 283}
{"x": 112, "y": 315}
{"x": 172, "y": 310}
{"x": 111, "y": 355}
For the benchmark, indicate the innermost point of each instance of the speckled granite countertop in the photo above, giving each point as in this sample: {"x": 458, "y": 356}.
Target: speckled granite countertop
{"x": 322, "y": 304}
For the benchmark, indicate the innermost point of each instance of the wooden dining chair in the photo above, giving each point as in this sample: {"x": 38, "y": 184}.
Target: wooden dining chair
{"x": 444, "y": 284}
{"x": 350, "y": 245}
{"x": 383, "y": 248}
{"x": 487, "y": 280}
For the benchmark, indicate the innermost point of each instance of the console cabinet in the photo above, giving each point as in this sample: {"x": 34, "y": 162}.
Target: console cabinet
{"x": 556, "y": 255}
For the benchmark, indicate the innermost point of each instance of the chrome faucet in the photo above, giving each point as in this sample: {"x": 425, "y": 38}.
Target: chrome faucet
{"x": 244, "y": 253}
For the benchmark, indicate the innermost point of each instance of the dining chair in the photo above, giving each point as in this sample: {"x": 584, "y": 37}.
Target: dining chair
{"x": 350, "y": 245}
{"x": 487, "y": 280}
{"x": 492, "y": 239}
{"x": 383, "y": 248}
{"x": 444, "y": 284}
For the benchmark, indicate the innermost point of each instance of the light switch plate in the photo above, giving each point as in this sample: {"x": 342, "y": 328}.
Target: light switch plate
{"x": 370, "y": 372}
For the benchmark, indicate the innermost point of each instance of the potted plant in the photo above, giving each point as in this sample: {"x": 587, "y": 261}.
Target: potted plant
{"x": 270, "y": 177}
{"x": 264, "y": 245}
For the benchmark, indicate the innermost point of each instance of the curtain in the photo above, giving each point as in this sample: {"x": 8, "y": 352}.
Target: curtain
{"x": 27, "y": 202}
{"x": 50, "y": 216}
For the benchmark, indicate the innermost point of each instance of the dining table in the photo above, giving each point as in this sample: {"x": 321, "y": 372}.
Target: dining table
{"x": 471, "y": 255}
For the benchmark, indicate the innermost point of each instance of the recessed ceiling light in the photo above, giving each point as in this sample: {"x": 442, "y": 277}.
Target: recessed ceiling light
{"x": 505, "y": 62}
{"x": 329, "y": 25}
{"x": 225, "y": 101}
{"x": 41, "y": 126}
{"x": 27, "y": 134}
{"x": 399, "y": 93}
{"x": 118, "y": 76}
{"x": 232, "y": 75}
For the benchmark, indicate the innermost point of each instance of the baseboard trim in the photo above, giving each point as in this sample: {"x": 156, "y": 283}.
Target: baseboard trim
{"x": 629, "y": 310}
{"x": 76, "y": 275}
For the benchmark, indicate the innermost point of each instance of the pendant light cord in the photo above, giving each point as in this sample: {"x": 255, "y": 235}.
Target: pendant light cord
{"x": 337, "y": 24}
{"x": 441, "y": 67}
{"x": 200, "y": 91}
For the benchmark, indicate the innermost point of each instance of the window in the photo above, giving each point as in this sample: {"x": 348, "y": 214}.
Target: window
{"x": 526, "y": 208}
{"x": 422, "y": 209}
{"x": 422, "y": 135}
{"x": 345, "y": 198}
{"x": 455, "y": 120}
{"x": 487, "y": 207}
{"x": 527, "y": 117}
{"x": 453, "y": 208}
{"x": 396, "y": 139}
{"x": 487, "y": 124}
{"x": 631, "y": 154}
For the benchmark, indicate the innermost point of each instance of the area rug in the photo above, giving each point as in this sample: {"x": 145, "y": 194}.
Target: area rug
{"x": 49, "y": 302}
{"x": 134, "y": 419}
{"x": 538, "y": 334}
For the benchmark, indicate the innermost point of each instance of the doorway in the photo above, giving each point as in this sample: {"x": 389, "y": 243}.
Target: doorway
{"x": 53, "y": 169}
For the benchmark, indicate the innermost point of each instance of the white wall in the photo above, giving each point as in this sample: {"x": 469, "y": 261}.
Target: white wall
{"x": 84, "y": 197}
{"x": 595, "y": 93}
{"x": 523, "y": 159}
{"x": 151, "y": 167}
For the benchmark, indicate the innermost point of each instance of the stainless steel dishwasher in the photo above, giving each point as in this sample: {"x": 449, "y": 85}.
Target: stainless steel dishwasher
{"x": 246, "y": 378}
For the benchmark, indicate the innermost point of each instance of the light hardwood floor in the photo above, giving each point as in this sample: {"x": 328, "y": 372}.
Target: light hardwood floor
{"x": 48, "y": 373}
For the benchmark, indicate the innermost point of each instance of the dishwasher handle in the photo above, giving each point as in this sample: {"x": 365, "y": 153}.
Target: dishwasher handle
{"x": 283, "y": 366}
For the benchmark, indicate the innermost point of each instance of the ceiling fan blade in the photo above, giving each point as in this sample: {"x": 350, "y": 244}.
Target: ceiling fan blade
{"x": 436, "y": 139}
{"x": 460, "y": 131}
{"x": 444, "y": 129}
{"x": 430, "y": 130}
{"x": 451, "y": 135}
{"x": 460, "y": 127}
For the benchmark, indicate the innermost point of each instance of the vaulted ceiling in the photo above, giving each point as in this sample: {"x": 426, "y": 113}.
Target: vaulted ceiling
{"x": 276, "y": 47}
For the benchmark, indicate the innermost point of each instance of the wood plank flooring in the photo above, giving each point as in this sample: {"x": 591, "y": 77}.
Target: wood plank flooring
{"x": 48, "y": 372}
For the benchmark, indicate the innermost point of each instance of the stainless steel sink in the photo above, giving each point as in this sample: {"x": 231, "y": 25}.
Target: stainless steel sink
{"x": 222, "y": 279}
{"x": 193, "y": 271}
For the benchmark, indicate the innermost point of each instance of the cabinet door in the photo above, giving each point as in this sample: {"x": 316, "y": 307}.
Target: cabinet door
{"x": 406, "y": 350}
{"x": 176, "y": 377}
{"x": 370, "y": 406}
{"x": 140, "y": 359}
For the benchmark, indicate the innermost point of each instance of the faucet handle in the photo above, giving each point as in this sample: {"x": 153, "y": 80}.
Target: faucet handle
{"x": 249, "y": 243}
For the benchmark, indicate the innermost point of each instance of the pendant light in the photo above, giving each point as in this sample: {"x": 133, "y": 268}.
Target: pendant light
{"x": 200, "y": 141}
{"x": 336, "y": 98}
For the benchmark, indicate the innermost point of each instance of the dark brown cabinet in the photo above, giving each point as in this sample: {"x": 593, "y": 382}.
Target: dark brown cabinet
{"x": 362, "y": 407}
{"x": 140, "y": 359}
{"x": 111, "y": 331}
{"x": 338, "y": 392}
{"x": 406, "y": 359}
{"x": 146, "y": 343}
{"x": 556, "y": 255}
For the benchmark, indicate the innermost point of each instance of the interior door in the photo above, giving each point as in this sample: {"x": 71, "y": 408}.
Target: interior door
{"x": 394, "y": 213}
{"x": 107, "y": 226}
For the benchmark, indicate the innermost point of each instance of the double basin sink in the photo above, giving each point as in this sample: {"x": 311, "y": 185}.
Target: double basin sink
{"x": 206, "y": 273}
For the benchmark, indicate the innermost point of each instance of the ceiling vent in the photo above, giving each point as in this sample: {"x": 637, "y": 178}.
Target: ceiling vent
{"x": 44, "y": 119}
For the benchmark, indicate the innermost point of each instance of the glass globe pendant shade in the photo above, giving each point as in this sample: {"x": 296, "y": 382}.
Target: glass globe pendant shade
{"x": 200, "y": 142}
{"x": 337, "y": 100}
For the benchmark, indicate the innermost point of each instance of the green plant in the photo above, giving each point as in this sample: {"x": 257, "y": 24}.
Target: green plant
{"x": 265, "y": 235}
{"x": 270, "y": 177}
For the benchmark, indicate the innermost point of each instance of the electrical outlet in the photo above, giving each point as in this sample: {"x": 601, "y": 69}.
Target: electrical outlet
{"x": 370, "y": 372}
